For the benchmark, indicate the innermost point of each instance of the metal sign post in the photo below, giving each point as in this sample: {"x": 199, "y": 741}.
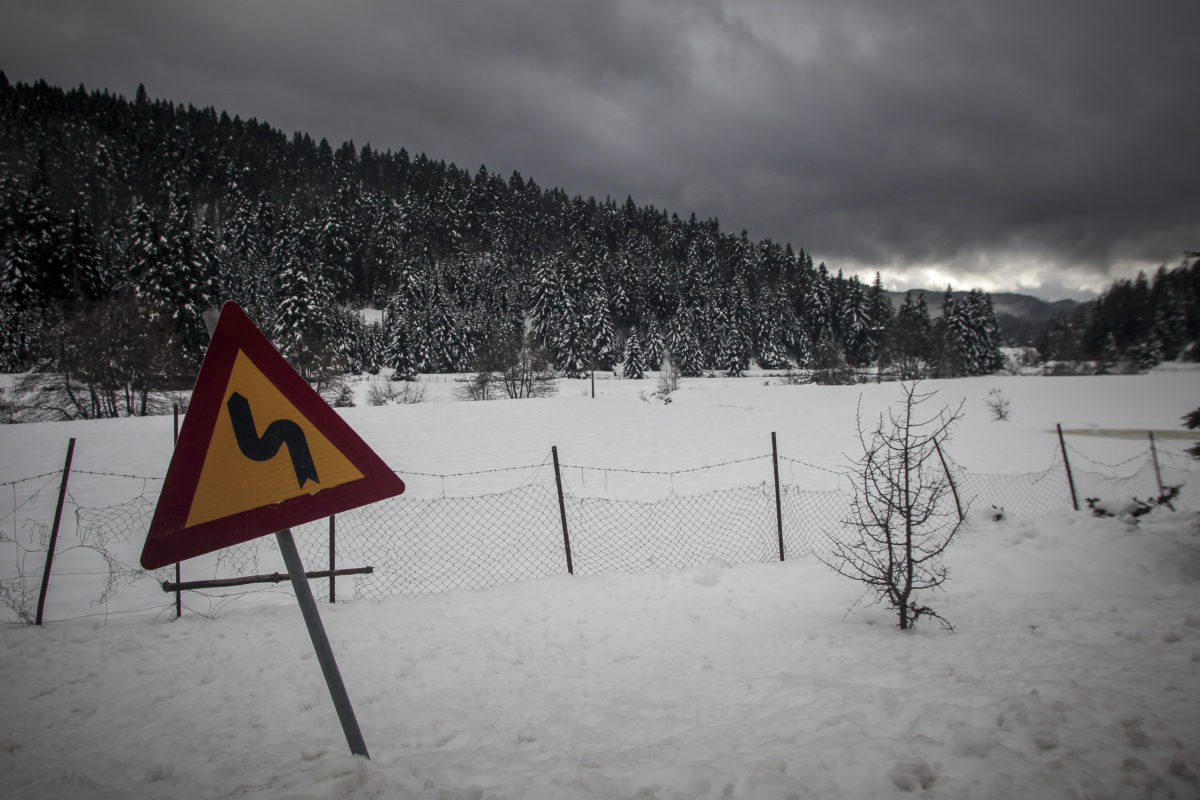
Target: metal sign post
{"x": 260, "y": 451}
{"x": 316, "y": 632}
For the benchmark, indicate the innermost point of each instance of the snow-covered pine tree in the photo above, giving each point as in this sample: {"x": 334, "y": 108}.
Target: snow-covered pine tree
{"x": 1148, "y": 353}
{"x": 339, "y": 234}
{"x": 735, "y": 356}
{"x": 985, "y": 356}
{"x": 634, "y": 362}
{"x": 571, "y": 347}
{"x": 818, "y": 306}
{"x": 951, "y": 339}
{"x": 597, "y": 323}
{"x": 907, "y": 339}
{"x": 448, "y": 336}
{"x": 737, "y": 346}
{"x": 968, "y": 336}
{"x": 144, "y": 260}
{"x": 709, "y": 320}
{"x": 652, "y": 345}
{"x": 560, "y": 314}
{"x": 302, "y": 326}
{"x": 880, "y": 313}
{"x": 1170, "y": 324}
{"x": 299, "y": 309}
{"x": 773, "y": 319}
{"x": 403, "y": 350}
{"x": 81, "y": 258}
{"x": 21, "y": 299}
{"x": 546, "y": 300}
{"x": 854, "y": 322}
{"x": 680, "y": 341}
{"x": 181, "y": 286}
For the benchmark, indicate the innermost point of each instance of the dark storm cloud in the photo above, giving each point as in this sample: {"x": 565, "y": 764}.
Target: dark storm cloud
{"x": 1042, "y": 144}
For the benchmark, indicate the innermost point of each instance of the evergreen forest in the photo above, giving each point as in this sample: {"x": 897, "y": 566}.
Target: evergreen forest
{"x": 122, "y": 221}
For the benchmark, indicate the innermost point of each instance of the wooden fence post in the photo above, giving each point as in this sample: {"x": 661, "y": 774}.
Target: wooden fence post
{"x": 1070, "y": 478}
{"x": 62, "y": 495}
{"x": 778, "y": 504}
{"x": 950, "y": 478}
{"x": 562, "y": 509}
{"x": 1154, "y": 457}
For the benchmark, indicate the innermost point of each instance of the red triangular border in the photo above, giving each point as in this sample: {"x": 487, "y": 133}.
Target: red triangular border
{"x": 169, "y": 539}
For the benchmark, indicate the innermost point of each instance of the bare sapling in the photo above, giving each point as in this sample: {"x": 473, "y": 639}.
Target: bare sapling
{"x": 902, "y": 515}
{"x": 668, "y": 377}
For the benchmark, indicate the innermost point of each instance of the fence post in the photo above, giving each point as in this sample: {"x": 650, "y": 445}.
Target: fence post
{"x": 1070, "y": 478}
{"x": 562, "y": 509}
{"x": 62, "y": 495}
{"x": 950, "y": 478}
{"x": 332, "y": 550}
{"x": 1154, "y": 457}
{"x": 178, "y": 577}
{"x": 778, "y": 505}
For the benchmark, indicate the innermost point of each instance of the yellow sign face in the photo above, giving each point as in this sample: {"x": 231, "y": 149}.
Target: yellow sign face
{"x": 263, "y": 451}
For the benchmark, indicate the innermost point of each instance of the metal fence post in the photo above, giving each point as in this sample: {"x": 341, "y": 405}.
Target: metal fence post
{"x": 562, "y": 509}
{"x": 1070, "y": 478}
{"x": 178, "y": 576}
{"x": 778, "y": 504}
{"x": 332, "y": 557}
{"x": 62, "y": 495}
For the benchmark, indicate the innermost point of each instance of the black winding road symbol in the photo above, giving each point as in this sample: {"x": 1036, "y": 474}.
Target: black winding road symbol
{"x": 277, "y": 434}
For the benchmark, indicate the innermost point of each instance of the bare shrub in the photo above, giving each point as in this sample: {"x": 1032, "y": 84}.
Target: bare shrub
{"x": 1191, "y": 421}
{"x": 997, "y": 404}
{"x": 530, "y": 373}
{"x": 513, "y": 365}
{"x": 381, "y": 392}
{"x": 482, "y": 385}
{"x": 793, "y": 377}
{"x": 110, "y": 360}
{"x": 668, "y": 377}
{"x": 828, "y": 365}
{"x": 902, "y": 514}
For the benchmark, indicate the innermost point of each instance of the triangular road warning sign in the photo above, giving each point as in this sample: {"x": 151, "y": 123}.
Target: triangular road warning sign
{"x": 259, "y": 451}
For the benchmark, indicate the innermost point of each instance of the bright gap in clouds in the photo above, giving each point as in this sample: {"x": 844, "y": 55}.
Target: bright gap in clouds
{"x": 1040, "y": 278}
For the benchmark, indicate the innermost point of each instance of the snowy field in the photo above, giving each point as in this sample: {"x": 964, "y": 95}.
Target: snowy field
{"x": 1074, "y": 670}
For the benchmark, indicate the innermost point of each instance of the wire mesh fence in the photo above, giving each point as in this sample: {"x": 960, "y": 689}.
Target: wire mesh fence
{"x": 424, "y": 546}
{"x": 602, "y": 520}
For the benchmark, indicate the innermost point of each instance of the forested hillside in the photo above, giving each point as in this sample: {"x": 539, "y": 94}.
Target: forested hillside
{"x": 122, "y": 221}
{"x": 1134, "y": 323}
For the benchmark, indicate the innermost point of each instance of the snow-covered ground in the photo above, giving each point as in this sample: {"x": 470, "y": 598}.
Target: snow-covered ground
{"x": 1073, "y": 671}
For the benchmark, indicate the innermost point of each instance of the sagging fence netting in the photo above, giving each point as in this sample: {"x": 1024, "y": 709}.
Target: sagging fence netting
{"x": 477, "y": 530}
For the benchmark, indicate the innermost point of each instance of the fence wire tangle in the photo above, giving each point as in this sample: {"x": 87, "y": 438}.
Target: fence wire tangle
{"x": 434, "y": 539}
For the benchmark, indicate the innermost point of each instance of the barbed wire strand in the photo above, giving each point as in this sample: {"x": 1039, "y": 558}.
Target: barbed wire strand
{"x": 30, "y": 478}
{"x": 117, "y": 475}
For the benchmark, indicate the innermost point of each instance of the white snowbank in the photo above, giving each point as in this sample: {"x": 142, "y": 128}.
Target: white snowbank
{"x": 1072, "y": 673}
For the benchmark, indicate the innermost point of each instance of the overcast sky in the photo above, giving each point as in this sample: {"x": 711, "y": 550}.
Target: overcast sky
{"x": 1043, "y": 146}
